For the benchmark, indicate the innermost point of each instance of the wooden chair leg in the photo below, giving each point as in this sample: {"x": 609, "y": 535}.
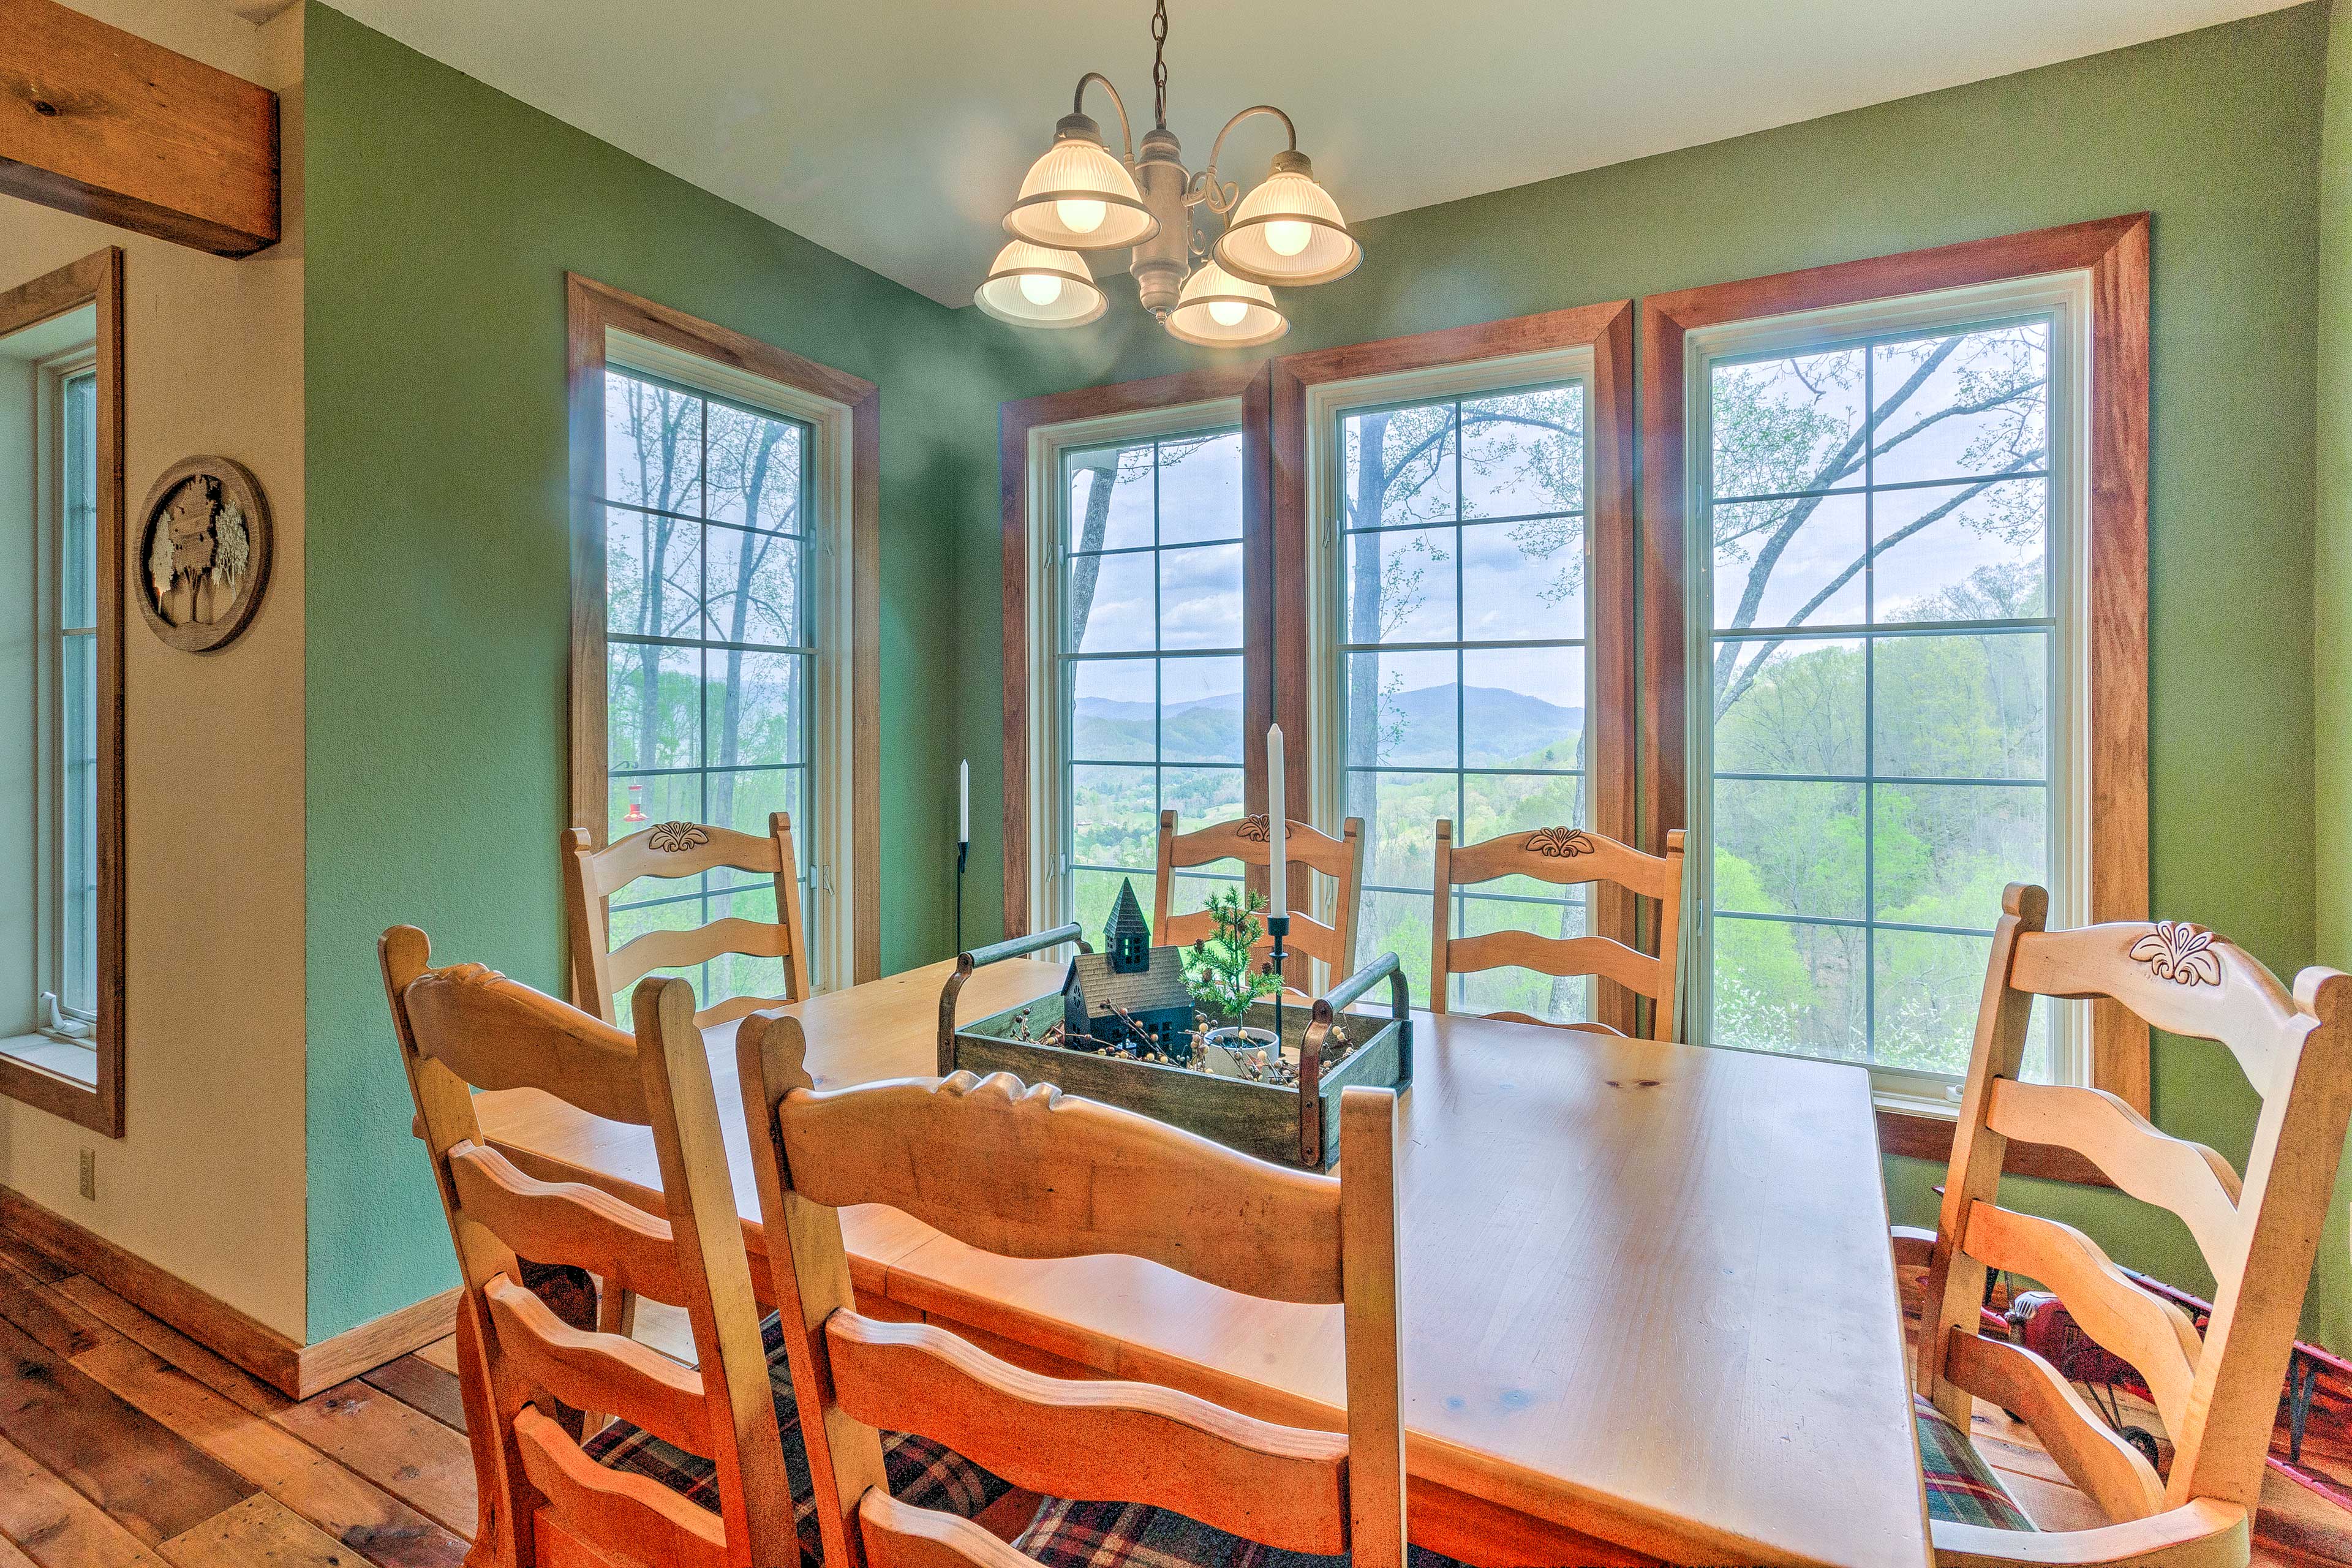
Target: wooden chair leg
{"x": 494, "y": 1544}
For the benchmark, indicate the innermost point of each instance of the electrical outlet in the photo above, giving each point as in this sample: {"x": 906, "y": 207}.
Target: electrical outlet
{"x": 90, "y": 1174}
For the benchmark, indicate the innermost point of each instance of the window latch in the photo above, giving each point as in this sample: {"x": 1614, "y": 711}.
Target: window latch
{"x": 55, "y": 1022}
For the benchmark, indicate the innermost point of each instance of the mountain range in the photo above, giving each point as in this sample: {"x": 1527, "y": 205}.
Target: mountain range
{"x": 1501, "y": 722}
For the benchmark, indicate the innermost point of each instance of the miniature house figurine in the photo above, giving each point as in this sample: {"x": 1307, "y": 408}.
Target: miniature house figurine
{"x": 1132, "y": 993}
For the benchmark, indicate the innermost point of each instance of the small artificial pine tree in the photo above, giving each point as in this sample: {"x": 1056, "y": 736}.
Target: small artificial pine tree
{"x": 1218, "y": 966}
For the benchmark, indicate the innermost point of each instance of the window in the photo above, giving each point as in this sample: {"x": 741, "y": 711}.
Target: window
{"x": 1907, "y": 489}
{"x": 1453, "y": 559}
{"x": 1888, "y": 552}
{"x": 1458, "y": 572}
{"x": 1148, "y": 679}
{"x": 1428, "y": 642}
{"x": 725, "y": 556}
{"x": 710, "y": 636}
{"x": 61, "y": 893}
{"x": 72, "y": 965}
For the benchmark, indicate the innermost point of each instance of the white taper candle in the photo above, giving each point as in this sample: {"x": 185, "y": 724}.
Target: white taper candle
{"x": 1278, "y": 816}
{"x": 963, "y": 803}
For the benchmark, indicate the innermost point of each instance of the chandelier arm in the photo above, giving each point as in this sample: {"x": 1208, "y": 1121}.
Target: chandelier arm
{"x": 1126, "y": 135}
{"x": 1201, "y": 187}
{"x": 1218, "y": 146}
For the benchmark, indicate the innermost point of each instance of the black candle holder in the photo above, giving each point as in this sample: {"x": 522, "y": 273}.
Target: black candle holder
{"x": 1278, "y": 928}
{"x": 964, "y": 848}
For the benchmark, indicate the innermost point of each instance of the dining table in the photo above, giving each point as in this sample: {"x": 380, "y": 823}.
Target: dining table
{"x": 1649, "y": 1310}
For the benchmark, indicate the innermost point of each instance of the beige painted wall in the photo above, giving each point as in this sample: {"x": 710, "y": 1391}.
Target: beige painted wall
{"x": 208, "y": 1179}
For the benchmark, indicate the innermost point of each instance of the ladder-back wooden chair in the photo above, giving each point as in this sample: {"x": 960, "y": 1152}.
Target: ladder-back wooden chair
{"x": 675, "y": 849}
{"x": 1564, "y": 856}
{"x": 1025, "y": 1171}
{"x": 1244, "y": 839}
{"x": 2218, "y": 1394}
{"x": 544, "y": 1500}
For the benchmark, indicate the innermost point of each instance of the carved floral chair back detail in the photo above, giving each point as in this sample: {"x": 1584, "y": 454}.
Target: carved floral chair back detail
{"x": 203, "y": 554}
{"x": 673, "y": 851}
{"x": 2257, "y": 1226}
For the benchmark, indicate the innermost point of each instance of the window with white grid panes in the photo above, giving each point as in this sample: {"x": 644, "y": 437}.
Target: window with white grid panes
{"x": 1462, "y": 627}
{"x": 1147, "y": 660}
{"x": 1882, "y": 658}
{"x": 711, "y": 640}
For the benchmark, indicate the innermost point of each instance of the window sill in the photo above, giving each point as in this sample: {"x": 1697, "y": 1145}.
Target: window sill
{"x": 1919, "y": 1132}
{"x": 75, "y": 1061}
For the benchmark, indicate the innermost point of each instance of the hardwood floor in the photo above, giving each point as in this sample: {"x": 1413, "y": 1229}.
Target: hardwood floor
{"x": 124, "y": 1443}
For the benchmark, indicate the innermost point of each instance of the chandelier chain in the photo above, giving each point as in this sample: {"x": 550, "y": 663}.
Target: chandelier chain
{"x": 1159, "y": 64}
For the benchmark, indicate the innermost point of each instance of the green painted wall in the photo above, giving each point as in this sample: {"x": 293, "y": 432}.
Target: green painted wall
{"x": 442, "y": 218}
{"x": 2217, "y": 133}
{"x": 2333, "y": 580}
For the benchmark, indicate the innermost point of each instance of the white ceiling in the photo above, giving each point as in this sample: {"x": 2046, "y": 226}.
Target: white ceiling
{"x": 895, "y": 132}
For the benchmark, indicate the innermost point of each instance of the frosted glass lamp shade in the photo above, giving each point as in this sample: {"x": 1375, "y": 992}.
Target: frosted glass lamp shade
{"x": 1288, "y": 233}
{"x": 1080, "y": 197}
{"x": 1032, "y": 286}
{"x": 1218, "y": 310}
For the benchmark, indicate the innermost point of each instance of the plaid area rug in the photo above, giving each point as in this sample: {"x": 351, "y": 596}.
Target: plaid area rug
{"x": 1961, "y": 1488}
{"x": 1068, "y": 1534}
{"x": 922, "y": 1473}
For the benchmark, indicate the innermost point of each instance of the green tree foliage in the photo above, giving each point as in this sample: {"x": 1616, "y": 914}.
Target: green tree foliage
{"x": 1970, "y": 704}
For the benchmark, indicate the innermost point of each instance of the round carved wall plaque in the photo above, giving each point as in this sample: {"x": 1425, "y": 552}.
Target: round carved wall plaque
{"x": 203, "y": 553}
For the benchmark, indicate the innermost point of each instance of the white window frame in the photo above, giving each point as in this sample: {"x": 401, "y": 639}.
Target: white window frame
{"x": 2064, "y": 299}
{"x": 1048, "y": 740}
{"x": 68, "y": 1026}
{"x": 1328, "y": 404}
{"x": 829, "y": 854}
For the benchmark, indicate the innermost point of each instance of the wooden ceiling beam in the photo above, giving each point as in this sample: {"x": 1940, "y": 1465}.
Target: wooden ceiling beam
{"x": 103, "y": 123}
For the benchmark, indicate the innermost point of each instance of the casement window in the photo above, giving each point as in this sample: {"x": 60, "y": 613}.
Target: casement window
{"x": 61, "y": 886}
{"x": 719, "y": 517}
{"x": 711, "y": 638}
{"x": 1887, "y": 631}
{"x": 1136, "y": 619}
{"x": 69, "y": 992}
{"x": 1454, "y": 565}
{"x": 1899, "y": 529}
{"x": 1448, "y": 569}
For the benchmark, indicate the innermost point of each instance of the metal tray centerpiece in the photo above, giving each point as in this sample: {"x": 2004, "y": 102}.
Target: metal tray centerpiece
{"x": 1087, "y": 1039}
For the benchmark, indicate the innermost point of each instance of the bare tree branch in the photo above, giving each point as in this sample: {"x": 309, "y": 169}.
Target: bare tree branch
{"x": 1738, "y": 688}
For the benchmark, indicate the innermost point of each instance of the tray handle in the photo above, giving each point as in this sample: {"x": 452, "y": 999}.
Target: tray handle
{"x": 1326, "y": 1012}
{"x": 980, "y": 958}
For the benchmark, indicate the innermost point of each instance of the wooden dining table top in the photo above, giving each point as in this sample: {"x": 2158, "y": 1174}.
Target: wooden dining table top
{"x": 1646, "y": 1290}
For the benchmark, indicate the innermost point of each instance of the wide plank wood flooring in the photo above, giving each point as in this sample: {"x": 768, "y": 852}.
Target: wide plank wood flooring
{"x": 124, "y": 1443}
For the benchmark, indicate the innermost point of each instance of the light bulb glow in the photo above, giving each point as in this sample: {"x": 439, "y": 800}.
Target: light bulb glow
{"x": 1081, "y": 217}
{"x": 1227, "y": 312}
{"x": 1284, "y": 238}
{"x": 1040, "y": 288}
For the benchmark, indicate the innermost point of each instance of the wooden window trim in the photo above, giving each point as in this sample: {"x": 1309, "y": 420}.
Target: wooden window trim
{"x": 95, "y": 279}
{"x": 1607, "y": 330}
{"x": 1018, "y": 422}
{"x": 593, "y": 307}
{"x": 2115, "y": 252}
